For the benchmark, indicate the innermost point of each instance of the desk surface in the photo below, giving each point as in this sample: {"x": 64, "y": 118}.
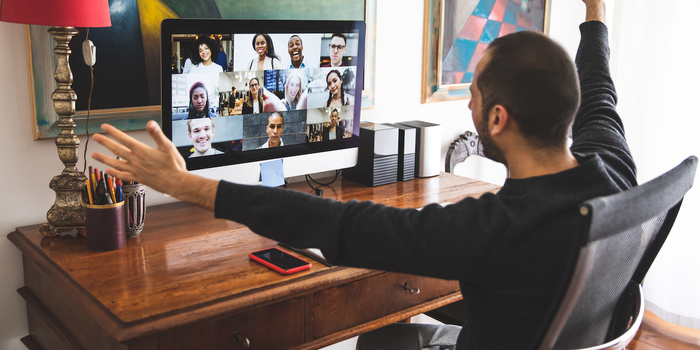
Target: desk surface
{"x": 186, "y": 265}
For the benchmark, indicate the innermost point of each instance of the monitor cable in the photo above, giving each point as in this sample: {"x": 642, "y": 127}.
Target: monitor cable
{"x": 318, "y": 190}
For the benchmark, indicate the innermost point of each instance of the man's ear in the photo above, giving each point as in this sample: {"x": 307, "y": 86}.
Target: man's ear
{"x": 498, "y": 119}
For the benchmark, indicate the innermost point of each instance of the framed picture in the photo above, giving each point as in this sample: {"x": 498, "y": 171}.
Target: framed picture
{"x": 126, "y": 91}
{"x": 457, "y": 32}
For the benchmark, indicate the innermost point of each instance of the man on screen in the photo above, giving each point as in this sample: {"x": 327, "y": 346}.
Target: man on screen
{"x": 274, "y": 128}
{"x": 201, "y": 133}
{"x": 336, "y": 50}
{"x": 295, "y": 49}
{"x": 507, "y": 249}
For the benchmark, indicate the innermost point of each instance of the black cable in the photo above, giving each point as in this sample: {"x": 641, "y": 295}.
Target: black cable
{"x": 87, "y": 120}
{"x": 319, "y": 191}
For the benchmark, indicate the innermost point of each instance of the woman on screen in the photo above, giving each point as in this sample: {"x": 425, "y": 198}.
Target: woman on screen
{"x": 336, "y": 93}
{"x": 265, "y": 49}
{"x": 254, "y": 101}
{"x": 199, "y": 102}
{"x": 334, "y": 131}
{"x": 203, "y": 54}
{"x": 292, "y": 92}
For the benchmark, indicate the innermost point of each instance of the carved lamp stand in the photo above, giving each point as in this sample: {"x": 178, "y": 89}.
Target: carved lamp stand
{"x": 67, "y": 213}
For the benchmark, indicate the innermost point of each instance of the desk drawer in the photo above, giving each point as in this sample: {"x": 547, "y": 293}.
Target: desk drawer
{"x": 278, "y": 326}
{"x": 359, "y": 302}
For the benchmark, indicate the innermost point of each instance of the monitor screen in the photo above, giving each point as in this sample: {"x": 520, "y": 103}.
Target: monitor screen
{"x": 241, "y": 91}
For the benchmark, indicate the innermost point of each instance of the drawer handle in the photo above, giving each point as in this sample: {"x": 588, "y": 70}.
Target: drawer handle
{"x": 244, "y": 341}
{"x": 409, "y": 289}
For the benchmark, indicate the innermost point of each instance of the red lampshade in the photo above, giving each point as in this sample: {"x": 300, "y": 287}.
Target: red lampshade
{"x": 62, "y": 13}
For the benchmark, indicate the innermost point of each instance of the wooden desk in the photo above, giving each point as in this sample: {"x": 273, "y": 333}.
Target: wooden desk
{"x": 187, "y": 283}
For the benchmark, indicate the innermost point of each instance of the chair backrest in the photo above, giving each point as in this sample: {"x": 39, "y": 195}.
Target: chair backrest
{"x": 464, "y": 146}
{"x": 622, "y": 234}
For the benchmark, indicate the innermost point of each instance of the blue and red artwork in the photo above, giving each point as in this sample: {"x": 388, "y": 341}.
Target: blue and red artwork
{"x": 489, "y": 20}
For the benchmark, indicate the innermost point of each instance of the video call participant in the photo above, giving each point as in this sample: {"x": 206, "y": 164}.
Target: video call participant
{"x": 295, "y": 48}
{"x": 199, "y": 102}
{"x": 201, "y": 133}
{"x": 336, "y": 50}
{"x": 507, "y": 249}
{"x": 266, "y": 57}
{"x": 203, "y": 54}
{"x": 259, "y": 100}
{"x": 292, "y": 91}
{"x": 333, "y": 131}
{"x": 274, "y": 128}
{"x": 253, "y": 103}
{"x": 336, "y": 92}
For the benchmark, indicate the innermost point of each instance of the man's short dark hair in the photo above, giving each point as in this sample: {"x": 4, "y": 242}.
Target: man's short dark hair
{"x": 536, "y": 81}
{"x": 340, "y": 35}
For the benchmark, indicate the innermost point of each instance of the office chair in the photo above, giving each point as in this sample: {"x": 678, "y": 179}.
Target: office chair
{"x": 602, "y": 303}
{"x": 461, "y": 148}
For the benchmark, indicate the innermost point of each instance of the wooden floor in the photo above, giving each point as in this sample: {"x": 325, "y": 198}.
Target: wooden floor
{"x": 657, "y": 334}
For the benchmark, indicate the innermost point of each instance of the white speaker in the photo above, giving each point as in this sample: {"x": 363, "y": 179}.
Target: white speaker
{"x": 428, "y": 137}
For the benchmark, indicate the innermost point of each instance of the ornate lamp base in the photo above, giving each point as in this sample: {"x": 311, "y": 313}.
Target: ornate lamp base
{"x": 68, "y": 212}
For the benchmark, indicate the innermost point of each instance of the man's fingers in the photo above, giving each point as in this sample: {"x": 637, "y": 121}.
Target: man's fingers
{"x": 162, "y": 142}
{"x": 121, "y": 137}
{"x": 111, "y": 145}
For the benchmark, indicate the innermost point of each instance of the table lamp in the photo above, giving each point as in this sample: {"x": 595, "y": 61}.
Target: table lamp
{"x": 68, "y": 212}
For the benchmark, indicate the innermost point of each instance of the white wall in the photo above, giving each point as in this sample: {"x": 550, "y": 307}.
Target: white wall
{"x": 657, "y": 82}
{"x": 31, "y": 164}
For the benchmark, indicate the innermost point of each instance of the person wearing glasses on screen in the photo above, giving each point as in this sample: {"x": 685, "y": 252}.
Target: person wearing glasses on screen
{"x": 259, "y": 100}
{"x": 336, "y": 92}
{"x": 334, "y": 131}
{"x": 295, "y": 48}
{"x": 201, "y": 133}
{"x": 199, "y": 102}
{"x": 203, "y": 54}
{"x": 265, "y": 49}
{"x": 275, "y": 127}
{"x": 336, "y": 50}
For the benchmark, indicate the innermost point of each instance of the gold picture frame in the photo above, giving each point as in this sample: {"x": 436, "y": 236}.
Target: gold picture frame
{"x": 127, "y": 118}
{"x": 451, "y": 22}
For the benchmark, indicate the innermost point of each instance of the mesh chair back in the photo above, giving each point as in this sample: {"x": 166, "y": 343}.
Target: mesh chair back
{"x": 624, "y": 234}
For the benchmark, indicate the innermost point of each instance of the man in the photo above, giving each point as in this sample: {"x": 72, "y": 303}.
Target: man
{"x": 201, "y": 133}
{"x": 508, "y": 250}
{"x": 295, "y": 48}
{"x": 337, "y": 50}
{"x": 274, "y": 128}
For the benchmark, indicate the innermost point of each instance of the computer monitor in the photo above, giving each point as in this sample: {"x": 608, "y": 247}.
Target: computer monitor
{"x": 237, "y": 93}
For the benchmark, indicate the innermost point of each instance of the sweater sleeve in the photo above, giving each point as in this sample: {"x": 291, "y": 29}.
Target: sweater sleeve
{"x": 598, "y": 129}
{"x": 366, "y": 234}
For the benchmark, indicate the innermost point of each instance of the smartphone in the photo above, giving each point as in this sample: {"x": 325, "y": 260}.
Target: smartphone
{"x": 280, "y": 261}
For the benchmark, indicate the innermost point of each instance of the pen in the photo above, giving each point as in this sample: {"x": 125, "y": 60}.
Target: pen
{"x": 93, "y": 182}
{"x": 110, "y": 188}
{"x": 89, "y": 190}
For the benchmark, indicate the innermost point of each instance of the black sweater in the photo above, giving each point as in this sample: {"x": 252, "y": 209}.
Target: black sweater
{"x": 508, "y": 250}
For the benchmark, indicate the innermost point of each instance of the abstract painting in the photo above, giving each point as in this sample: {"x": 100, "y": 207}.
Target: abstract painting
{"x": 126, "y": 90}
{"x": 457, "y": 32}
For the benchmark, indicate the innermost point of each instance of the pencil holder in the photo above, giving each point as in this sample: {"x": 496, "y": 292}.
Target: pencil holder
{"x": 134, "y": 208}
{"x": 104, "y": 226}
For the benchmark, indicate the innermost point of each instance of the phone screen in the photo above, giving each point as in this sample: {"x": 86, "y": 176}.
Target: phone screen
{"x": 279, "y": 258}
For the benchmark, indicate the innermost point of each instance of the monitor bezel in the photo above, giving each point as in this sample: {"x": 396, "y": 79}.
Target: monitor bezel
{"x": 218, "y": 26}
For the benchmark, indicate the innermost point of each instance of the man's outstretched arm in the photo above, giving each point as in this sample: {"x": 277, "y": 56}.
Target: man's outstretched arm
{"x": 161, "y": 168}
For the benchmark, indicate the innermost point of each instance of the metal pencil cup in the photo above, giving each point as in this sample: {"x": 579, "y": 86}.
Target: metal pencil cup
{"x": 134, "y": 208}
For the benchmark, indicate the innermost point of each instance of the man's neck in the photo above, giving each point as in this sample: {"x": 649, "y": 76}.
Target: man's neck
{"x": 538, "y": 163}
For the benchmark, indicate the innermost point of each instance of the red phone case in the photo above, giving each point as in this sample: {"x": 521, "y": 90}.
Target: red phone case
{"x": 278, "y": 268}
